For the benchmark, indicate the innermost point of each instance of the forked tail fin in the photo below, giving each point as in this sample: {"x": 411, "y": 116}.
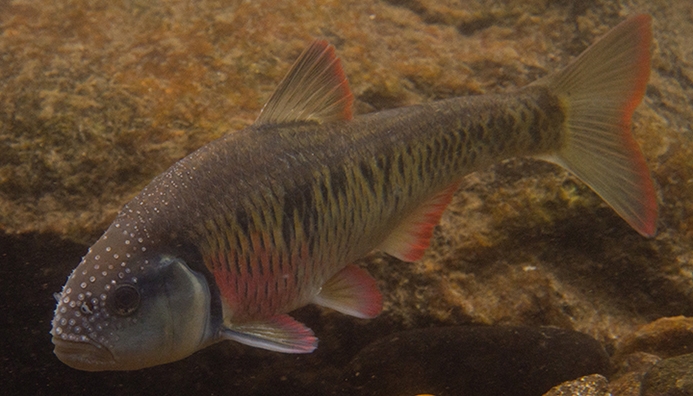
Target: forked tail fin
{"x": 600, "y": 90}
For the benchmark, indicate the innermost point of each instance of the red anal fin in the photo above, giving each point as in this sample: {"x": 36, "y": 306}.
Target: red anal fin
{"x": 351, "y": 291}
{"x": 315, "y": 89}
{"x": 409, "y": 241}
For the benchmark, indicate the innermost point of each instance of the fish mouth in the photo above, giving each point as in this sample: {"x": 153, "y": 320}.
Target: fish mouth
{"x": 86, "y": 356}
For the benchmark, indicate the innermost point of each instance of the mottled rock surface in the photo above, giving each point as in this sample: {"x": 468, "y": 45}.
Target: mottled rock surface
{"x": 670, "y": 377}
{"x": 591, "y": 385}
{"x": 96, "y": 98}
{"x": 665, "y": 337}
{"x": 474, "y": 360}
{"x": 627, "y": 381}
{"x": 647, "y": 362}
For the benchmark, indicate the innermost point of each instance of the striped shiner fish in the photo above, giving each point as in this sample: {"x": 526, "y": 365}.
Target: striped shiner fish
{"x": 265, "y": 220}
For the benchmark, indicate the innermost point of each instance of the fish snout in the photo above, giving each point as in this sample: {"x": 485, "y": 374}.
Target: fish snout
{"x": 83, "y": 354}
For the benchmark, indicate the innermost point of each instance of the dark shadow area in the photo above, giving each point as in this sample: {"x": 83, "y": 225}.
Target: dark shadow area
{"x": 33, "y": 267}
{"x": 36, "y": 266}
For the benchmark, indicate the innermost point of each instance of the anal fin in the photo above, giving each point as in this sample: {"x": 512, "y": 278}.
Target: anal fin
{"x": 280, "y": 333}
{"x": 351, "y": 291}
{"x": 410, "y": 239}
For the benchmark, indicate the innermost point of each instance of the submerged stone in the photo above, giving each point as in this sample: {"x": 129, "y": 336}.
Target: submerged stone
{"x": 475, "y": 360}
{"x": 631, "y": 370}
{"x": 591, "y": 385}
{"x": 670, "y": 377}
{"x": 640, "y": 353}
{"x": 665, "y": 337}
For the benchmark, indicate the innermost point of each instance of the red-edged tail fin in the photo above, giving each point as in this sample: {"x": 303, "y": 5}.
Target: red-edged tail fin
{"x": 600, "y": 91}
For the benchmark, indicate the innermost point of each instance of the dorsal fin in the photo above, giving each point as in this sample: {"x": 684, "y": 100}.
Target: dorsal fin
{"x": 315, "y": 89}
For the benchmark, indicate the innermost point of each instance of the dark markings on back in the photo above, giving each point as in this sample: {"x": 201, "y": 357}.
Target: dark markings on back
{"x": 324, "y": 191}
{"x": 426, "y": 165}
{"x": 338, "y": 181}
{"x": 288, "y": 232}
{"x": 248, "y": 265}
{"x": 384, "y": 164}
{"x": 451, "y": 148}
{"x": 280, "y": 263}
{"x": 298, "y": 201}
{"x": 400, "y": 164}
{"x": 242, "y": 220}
{"x": 477, "y": 132}
{"x": 367, "y": 173}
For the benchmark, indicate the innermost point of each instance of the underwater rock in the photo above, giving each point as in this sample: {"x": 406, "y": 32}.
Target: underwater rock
{"x": 670, "y": 377}
{"x": 637, "y": 353}
{"x": 665, "y": 337}
{"x": 474, "y": 360}
{"x": 591, "y": 385}
{"x": 631, "y": 370}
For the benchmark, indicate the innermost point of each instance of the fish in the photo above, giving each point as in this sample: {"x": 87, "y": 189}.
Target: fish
{"x": 233, "y": 237}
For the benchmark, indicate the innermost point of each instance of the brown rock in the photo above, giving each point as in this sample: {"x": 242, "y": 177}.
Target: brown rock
{"x": 628, "y": 380}
{"x": 475, "y": 360}
{"x": 670, "y": 377}
{"x": 665, "y": 337}
{"x": 591, "y": 385}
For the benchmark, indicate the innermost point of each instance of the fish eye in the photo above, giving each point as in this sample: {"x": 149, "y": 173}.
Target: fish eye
{"x": 126, "y": 300}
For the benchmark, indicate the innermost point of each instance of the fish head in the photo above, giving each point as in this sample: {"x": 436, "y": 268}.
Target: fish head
{"x": 129, "y": 305}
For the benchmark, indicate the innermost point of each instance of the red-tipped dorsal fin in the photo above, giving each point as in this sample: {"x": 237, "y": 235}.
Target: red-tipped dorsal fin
{"x": 600, "y": 90}
{"x": 411, "y": 238}
{"x": 351, "y": 291}
{"x": 315, "y": 89}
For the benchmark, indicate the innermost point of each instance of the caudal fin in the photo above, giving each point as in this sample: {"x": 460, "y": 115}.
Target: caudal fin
{"x": 600, "y": 91}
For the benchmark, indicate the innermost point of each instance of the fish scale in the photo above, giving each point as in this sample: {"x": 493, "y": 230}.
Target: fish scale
{"x": 430, "y": 153}
{"x": 262, "y": 221}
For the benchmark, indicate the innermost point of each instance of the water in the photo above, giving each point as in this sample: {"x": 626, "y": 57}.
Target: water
{"x": 97, "y": 100}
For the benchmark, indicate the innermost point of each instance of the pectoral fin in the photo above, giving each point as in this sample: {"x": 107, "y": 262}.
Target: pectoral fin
{"x": 351, "y": 291}
{"x": 281, "y": 333}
